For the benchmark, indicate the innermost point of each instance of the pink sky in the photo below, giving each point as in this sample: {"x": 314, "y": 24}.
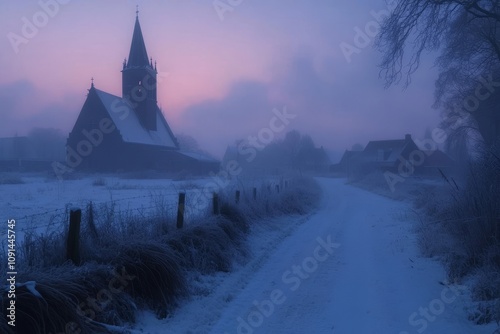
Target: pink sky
{"x": 220, "y": 78}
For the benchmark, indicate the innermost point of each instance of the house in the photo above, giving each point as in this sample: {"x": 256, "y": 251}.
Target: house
{"x": 400, "y": 156}
{"x": 129, "y": 132}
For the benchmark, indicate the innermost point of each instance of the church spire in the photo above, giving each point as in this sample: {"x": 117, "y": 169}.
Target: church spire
{"x": 138, "y": 56}
{"x": 139, "y": 85}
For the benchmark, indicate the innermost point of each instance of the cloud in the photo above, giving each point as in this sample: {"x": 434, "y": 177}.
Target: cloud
{"x": 13, "y": 95}
{"x": 244, "y": 110}
{"x": 24, "y": 106}
{"x": 13, "y": 102}
{"x": 337, "y": 105}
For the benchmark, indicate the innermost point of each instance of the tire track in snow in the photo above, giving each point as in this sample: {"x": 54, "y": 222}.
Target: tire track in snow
{"x": 200, "y": 313}
{"x": 373, "y": 283}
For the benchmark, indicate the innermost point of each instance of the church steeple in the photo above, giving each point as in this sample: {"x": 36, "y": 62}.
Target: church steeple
{"x": 139, "y": 80}
{"x": 138, "y": 55}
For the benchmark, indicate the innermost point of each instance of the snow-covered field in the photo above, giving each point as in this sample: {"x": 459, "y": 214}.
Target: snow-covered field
{"x": 350, "y": 267}
{"x": 41, "y": 204}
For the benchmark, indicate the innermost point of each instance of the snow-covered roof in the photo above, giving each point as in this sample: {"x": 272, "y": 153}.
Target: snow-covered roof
{"x": 391, "y": 149}
{"x": 130, "y": 127}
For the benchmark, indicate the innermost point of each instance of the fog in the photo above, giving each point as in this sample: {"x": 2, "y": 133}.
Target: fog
{"x": 219, "y": 79}
{"x": 267, "y": 166}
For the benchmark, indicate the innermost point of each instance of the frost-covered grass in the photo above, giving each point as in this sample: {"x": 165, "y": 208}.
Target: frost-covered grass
{"x": 457, "y": 222}
{"x": 41, "y": 205}
{"x": 461, "y": 225}
{"x": 133, "y": 259}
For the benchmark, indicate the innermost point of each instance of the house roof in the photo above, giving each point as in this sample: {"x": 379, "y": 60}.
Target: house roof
{"x": 392, "y": 149}
{"x": 138, "y": 56}
{"x": 387, "y": 153}
{"x": 130, "y": 127}
{"x": 384, "y": 144}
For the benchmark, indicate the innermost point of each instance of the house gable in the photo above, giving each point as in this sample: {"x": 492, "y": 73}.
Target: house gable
{"x": 389, "y": 152}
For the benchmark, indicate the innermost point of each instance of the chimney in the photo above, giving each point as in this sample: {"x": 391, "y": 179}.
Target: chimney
{"x": 407, "y": 137}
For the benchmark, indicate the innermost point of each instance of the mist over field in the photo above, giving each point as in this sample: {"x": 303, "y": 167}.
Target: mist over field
{"x": 234, "y": 166}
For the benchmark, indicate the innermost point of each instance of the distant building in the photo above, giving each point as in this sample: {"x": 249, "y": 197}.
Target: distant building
{"x": 393, "y": 155}
{"x": 129, "y": 132}
{"x": 24, "y": 153}
{"x": 16, "y": 148}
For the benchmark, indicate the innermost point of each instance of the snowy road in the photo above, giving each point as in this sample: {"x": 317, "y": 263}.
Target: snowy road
{"x": 352, "y": 267}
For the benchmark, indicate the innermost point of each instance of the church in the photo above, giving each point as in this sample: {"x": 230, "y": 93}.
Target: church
{"x": 130, "y": 132}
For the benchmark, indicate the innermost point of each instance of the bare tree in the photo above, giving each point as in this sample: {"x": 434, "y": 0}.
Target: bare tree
{"x": 466, "y": 36}
{"x": 465, "y": 30}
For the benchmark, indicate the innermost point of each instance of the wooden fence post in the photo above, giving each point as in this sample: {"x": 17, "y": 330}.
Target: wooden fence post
{"x": 215, "y": 203}
{"x": 73, "y": 242}
{"x": 180, "y": 210}
{"x": 237, "y": 196}
{"x": 254, "y": 193}
{"x": 90, "y": 221}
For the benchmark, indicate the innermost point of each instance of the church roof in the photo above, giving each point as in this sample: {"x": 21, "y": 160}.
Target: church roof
{"x": 130, "y": 127}
{"x": 138, "y": 56}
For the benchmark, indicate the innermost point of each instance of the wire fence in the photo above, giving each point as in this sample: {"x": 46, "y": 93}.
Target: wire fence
{"x": 158, "y": 202}
{"x": 41, "y": 236}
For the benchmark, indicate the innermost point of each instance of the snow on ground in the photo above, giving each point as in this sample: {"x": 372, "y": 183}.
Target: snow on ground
{"x": 40, "y": 203}
{"x": 351, "y": 267}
